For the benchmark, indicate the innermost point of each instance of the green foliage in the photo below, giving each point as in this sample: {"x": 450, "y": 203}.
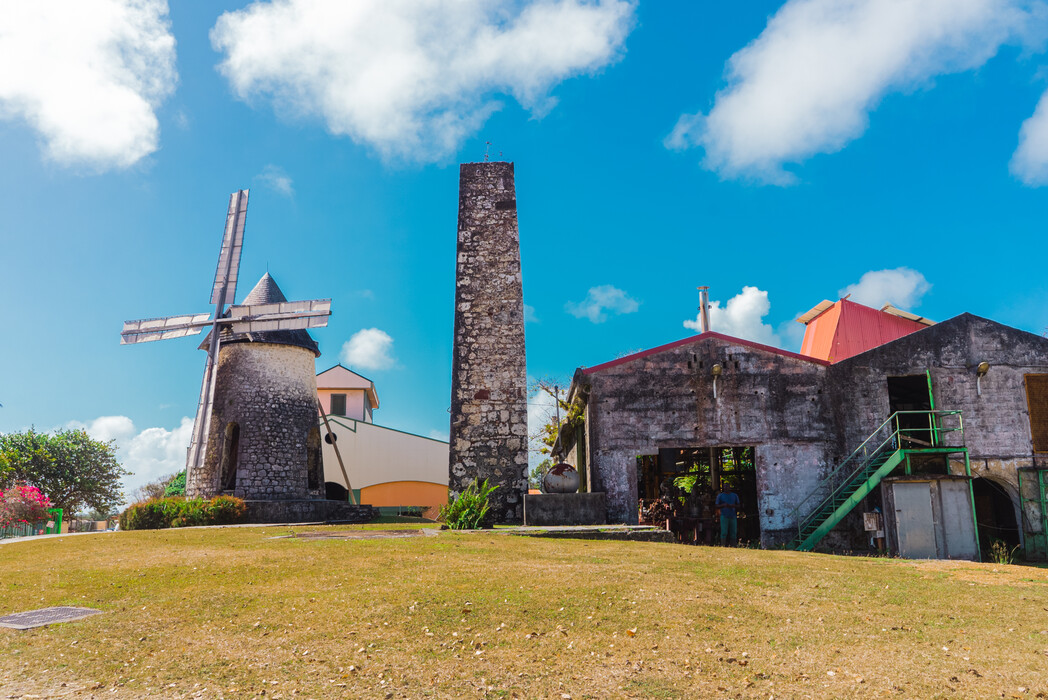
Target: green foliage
{"x": 176, "y": 486}
{"x": 74, "y": 471}
{"x": 469, "y": 510}
{"x": 539, "y": 471}
{"x": 160, "y": 513}
{"x": 1000, "y": 554}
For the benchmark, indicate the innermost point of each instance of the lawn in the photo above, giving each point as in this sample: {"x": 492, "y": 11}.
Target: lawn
{"x": 237, "y": 613}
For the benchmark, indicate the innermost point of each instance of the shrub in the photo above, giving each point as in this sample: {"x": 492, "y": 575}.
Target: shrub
{"x": 159, "y": 513}
{"x": 469, "y": 510}
{"x": 1000, "y": 554}
{"x": 176, "y": 486}
{"x": 225, "y": 510}
{"x": 23, "y": 504}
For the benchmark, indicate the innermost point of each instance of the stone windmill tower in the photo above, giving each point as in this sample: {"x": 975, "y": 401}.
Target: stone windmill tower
{"x": 263, "y": 441}
{"x": 256, "y": 433}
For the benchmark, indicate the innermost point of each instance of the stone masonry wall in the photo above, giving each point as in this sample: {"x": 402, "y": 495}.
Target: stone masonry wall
{"x": 489, "y": 422}
{"x": 772, "y": 401}
{"x": 996, "y": 423}
{"x": 270, "y": 392}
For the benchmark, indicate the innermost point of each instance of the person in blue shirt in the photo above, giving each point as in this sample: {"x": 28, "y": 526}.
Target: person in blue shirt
{"x": 727, "y": 504}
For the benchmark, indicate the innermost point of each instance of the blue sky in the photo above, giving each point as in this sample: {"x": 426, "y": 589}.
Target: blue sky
{"x": 781, "y": 153}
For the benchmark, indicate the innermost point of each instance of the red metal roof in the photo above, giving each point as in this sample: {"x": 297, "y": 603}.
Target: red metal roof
{"x": 848, "y": 328}
{"x": 697, "y": 338}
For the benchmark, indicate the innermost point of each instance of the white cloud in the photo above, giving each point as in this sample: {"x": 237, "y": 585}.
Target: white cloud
{"x": 1030, "y": 160}
{"x": 901, "y": 287}
{"x": 87, "y": 75}
{"x": 438, "y": 434}
{"x": 413, "y": 78}
{"x": 806, "y": 85}
{"x": 369, "y": 348}
{"x": 529, "y": 314}
{"x": 600, "y": 300}
{"x": 274, "y": 177}
{"x": 149, "y": 454}
{"x": 741, "y": 317}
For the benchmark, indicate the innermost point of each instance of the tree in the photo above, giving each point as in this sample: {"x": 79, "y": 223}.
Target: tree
{"x": 73, "y": 470}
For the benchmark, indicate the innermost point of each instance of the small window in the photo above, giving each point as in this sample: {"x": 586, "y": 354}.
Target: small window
{"x": 1037, "y": 400}
{"x": 338, "y": 404}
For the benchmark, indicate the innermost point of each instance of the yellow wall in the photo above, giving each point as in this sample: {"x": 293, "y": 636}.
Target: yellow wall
{"x": 405, "y": 493}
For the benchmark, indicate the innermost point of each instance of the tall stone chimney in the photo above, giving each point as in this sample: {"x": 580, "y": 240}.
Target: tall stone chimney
{"x": 489, "y": 413}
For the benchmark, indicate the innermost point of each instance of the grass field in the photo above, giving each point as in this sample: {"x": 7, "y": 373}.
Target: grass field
{"x": 237, "y": 613}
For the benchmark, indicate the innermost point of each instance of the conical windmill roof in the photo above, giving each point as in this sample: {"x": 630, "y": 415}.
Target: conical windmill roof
{"x": 266, "y": 292}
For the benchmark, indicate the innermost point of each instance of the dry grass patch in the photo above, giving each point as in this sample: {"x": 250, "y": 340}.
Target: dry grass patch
{"x": 234, "y": 612}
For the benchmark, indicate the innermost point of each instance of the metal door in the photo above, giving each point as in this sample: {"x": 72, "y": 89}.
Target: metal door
{"x": 913, "y": 517}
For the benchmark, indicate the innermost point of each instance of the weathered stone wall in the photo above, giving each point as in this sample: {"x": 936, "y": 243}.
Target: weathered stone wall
{"x": 666, "y": 399}
{"x": 489, "y": 376}
{"x": 996, "y": 423}
{"x": 270, "y": 392}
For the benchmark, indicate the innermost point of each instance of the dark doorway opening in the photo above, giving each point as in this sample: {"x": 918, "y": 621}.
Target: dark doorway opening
{"x": 912, "y": 393}
{"x": 230, "y": 450}
{"x": 994, "y": 515}
{"x": 335, "y": 492}
{"x": 690, "y": 478}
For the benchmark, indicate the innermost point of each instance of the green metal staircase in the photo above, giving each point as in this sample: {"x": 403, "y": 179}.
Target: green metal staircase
{"x": 879, "y": 455}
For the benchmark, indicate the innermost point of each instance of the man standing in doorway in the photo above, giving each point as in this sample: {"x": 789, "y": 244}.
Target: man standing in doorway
{"x": 727, "y": 504}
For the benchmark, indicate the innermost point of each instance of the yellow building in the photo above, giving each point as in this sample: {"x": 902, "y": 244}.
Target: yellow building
{"x": 387, "y": 468}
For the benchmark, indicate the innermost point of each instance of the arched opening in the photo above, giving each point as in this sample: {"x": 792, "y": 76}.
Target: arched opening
{"x": 334, "y": 491}
{"x": 994, "y": 514}
{"x": 314, "y": 460}
{"x": 230, "y": 449}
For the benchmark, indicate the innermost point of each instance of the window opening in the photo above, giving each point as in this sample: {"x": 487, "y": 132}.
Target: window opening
{"x": 1037, "y": 402}
{"x": 338, "y": 404}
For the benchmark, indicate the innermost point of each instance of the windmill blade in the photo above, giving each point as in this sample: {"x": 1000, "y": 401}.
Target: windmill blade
{"x": 202, "y": 423}
{"x": 149, "y": 329}
{"x": 225, "y": 287}
{"x": 281, "y": 316}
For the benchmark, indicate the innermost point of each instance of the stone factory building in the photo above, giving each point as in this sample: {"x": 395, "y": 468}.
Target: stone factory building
{"x": 489, "y": 422}
{"x": 812, "y": 442}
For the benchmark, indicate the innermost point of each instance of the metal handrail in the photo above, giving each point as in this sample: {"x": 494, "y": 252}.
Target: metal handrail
{"x": 863, "y": 451}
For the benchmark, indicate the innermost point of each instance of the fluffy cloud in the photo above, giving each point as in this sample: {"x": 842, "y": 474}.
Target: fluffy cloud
{"x": 1030, "y": 160}
{"x": 87, "y": 75}
{"x": 413, "y": 78}
{"x": 274, "y": 177}
{"x": 149, "y": 454}
{"x": 600, "y": 300}
{"x": 901, "y": 287}
{"x": 741, "y": 317}
{"x": 369, "y": 348}
{"x": 529, "y": 314}
{"x": 806, "y": 85}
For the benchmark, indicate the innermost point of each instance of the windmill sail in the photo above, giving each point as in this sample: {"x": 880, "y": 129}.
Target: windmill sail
{"x": 225, "y": 287}
{"x": 149, "y": 329}
{"x": 280, "y": 316}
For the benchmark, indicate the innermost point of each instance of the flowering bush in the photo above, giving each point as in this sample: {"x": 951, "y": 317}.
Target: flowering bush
{"x": 23, "y": 504}
{"x": 157, "y": 513}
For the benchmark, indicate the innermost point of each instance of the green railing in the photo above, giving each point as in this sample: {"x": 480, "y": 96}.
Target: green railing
{"x": 903, "y": 430}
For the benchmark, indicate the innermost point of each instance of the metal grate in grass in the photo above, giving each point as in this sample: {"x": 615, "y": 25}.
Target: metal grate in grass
{"x": 45, "y": 616}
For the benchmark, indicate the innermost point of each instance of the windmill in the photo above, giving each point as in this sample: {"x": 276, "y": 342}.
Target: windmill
{"x": 285, "y": 315}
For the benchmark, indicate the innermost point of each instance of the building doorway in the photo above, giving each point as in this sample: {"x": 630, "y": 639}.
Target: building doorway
{"x": 693, "y": 475}
{"x": 912, "y": 393}
{"x": 994, "y": 515}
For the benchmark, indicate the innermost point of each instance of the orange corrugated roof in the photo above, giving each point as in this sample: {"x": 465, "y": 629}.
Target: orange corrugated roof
{"x": 847, "y": 328}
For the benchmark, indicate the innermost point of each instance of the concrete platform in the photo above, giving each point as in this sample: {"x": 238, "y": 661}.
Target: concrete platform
{"x": 542, "y": 509}
{"x": 634, "y": 533}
